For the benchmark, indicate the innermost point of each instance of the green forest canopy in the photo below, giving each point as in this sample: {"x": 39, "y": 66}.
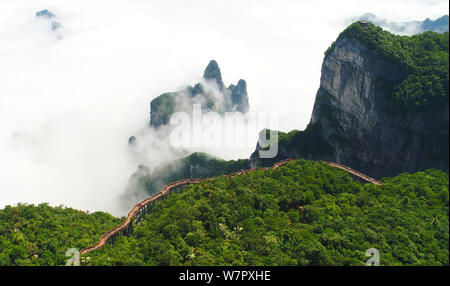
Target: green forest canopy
{"x": 303, "y": 213}
{"x": 41, "y": 235}
{"x": 196, "y": 165}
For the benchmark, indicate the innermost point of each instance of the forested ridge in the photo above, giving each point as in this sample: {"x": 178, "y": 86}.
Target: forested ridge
{"x": 303, "y": 213}
{"x": 196, "y": 165}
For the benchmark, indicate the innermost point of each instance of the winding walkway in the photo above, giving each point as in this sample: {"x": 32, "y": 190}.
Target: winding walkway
{"x": 166, "y": 190}
{"x": 353, "y": 172}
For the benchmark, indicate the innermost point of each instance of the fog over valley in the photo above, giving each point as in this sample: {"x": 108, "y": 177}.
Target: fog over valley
{"x": 76, "y": 84}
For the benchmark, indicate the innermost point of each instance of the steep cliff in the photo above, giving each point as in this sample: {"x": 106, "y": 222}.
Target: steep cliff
{"x": 382, "y": 105}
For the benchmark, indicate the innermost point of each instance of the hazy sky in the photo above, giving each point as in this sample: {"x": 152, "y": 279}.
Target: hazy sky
{"x": 70, "y": 98}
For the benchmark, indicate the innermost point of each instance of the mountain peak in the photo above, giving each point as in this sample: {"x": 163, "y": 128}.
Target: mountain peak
{"x": 212, "y": 72}
{"x": 45, "y": 13}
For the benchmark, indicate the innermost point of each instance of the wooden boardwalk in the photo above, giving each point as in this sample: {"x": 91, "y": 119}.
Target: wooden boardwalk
{"x": 136, "y": 211}
{"x": 353, "y": 172}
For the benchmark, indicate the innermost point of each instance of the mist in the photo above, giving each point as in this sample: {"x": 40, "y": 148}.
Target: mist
{"x": 71, "y": 97}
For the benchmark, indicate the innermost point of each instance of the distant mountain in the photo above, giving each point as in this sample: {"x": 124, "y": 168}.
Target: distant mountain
{"x": 440, "y": 25}
{"x": 46, "y": 14}
{"x": 212, "y": 94}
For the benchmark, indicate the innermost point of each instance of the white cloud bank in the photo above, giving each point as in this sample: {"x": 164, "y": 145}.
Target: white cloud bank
{"x": 69, "y": 100}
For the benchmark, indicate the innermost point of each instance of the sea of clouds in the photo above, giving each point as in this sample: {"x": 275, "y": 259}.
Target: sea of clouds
{"x": 71, "y": 97}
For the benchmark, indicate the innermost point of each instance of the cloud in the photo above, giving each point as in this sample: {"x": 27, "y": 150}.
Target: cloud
{"x": 68, "y": 104}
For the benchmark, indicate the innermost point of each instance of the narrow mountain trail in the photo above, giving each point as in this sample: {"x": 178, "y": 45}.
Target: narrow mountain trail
{"x": 353, "y": 172}
{"x": 166, "y": 190}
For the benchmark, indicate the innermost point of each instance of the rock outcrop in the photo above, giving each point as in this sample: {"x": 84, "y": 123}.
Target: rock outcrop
{"x": 356, "y": 122}
{"x": 212, "y": 73}
{"x": 239, "y": 97}
{"x": 211, "y": 93}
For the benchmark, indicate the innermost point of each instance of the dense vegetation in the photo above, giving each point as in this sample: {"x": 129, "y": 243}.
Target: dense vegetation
{"x": 423, "y": 58}
{"x": 304, "y": 213}
{"x": 296, "y": 144}
{"x": 196, "y": 165}
{"x": 41, "y": 235}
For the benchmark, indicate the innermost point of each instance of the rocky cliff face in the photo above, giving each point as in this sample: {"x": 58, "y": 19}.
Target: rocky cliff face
{"x": 353, "y": 109}
{"x": 355, "y": 123}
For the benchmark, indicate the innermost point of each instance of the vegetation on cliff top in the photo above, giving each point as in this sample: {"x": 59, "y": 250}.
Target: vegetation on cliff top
{"x": 424, "y": 59}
